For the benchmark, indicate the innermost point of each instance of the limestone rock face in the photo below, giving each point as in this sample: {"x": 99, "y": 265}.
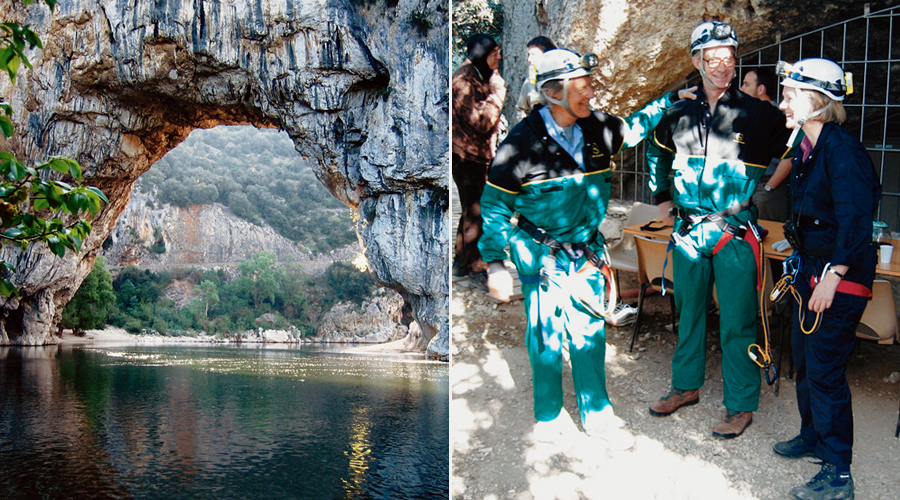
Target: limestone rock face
{"x": 376, "y": 320}
{"x": 358, "y": 86}
{"x": 643, "y": 44}
{"x": 201, "y": 235}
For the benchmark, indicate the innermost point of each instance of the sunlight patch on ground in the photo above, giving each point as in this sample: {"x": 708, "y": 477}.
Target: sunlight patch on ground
{"x": 465, "y": 422}
{"x": 494, "y": 365}
{"x": 579, "y": 466}
{"x": 465, "y": 377}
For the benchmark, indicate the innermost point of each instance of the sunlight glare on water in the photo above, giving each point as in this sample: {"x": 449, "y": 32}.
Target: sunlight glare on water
{"x": 221, "y": 422}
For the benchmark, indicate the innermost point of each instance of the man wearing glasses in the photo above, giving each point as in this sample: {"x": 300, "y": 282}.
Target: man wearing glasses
{"x": 717, "y": 149}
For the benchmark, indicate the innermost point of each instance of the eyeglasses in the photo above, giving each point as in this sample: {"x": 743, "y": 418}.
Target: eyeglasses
{"x": 715, "y": 62}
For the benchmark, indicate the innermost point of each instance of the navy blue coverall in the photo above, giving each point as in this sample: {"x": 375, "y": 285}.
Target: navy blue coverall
{"x": 835, "y": 193}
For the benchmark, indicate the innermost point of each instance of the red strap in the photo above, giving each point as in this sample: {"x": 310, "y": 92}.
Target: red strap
{"x": 755, "y": 245}
{"x": 726, "y": 237}
{"x": 848, "y": 287}
{"x": 750, "y": 237}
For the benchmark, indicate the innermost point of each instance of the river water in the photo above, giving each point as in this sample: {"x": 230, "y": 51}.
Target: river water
{"x": 216, "y": 421}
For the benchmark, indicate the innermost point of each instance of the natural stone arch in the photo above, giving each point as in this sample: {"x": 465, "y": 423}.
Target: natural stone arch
{"x": 353, "y": 84}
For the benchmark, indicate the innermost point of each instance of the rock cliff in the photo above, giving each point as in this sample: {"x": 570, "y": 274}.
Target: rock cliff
{"x": 118, "y": 84}
{"x": 204, "y": 235}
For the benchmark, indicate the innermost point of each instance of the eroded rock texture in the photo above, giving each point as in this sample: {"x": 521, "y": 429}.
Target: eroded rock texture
{"x": 358, "y": 85}
{"x": 643, "y": 44}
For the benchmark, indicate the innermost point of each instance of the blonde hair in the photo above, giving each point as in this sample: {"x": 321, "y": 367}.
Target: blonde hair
{"x": 834, "y": 110}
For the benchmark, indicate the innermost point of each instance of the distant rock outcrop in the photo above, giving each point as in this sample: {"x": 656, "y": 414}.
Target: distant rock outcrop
{"x": 149, "y": 233}
{"x": 376, "y": 320}
{"x": 357, "y": 86}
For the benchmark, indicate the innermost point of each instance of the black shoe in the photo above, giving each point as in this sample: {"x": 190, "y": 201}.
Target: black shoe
{"x": 795, "y": 448}
{"x": 459, "y": 270}
{"x": 478, "y": 281}
{"x": 828, "y": 484}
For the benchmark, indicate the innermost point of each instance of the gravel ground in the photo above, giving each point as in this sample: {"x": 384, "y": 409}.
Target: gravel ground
{"x": 676, "y": 457}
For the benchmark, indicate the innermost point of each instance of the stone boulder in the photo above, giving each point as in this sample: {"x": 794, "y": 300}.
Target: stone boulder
{"x": 378, "y": 319}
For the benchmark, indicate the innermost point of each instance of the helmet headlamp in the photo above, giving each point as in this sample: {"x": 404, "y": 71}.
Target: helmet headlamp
{"x": 839, "y": 84}
{"x": 721, "y": 31}
{"x": 713, "y": 34}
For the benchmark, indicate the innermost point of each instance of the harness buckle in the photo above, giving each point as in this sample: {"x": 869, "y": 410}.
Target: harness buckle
{"x": 539, "y": 236}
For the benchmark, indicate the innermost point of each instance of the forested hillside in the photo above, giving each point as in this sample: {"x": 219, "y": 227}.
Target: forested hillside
{"x": 260, "y": 177}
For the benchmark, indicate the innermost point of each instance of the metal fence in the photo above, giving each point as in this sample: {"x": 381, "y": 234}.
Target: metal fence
{"x": 867, "y": 46}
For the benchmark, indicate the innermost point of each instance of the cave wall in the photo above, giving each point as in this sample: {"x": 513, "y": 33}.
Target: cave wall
{"x": 643, "y": 44}
{"x": 119, "y": 83}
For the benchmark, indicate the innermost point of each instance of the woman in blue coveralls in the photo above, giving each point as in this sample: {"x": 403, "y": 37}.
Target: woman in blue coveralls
{"x": 835, "y": 192}
{"x": 554, "y": 171}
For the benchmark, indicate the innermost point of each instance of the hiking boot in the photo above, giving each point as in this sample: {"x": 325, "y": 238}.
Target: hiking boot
{"x": 828, "y": 484}
{"x": 795, "y": 448}
{"x": 622, "y": 316}
{"x": 675, "y": 399}
{"x": 733, "y": 424}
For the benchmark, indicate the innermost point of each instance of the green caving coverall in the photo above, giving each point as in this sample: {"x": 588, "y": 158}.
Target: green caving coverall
{"x": 715, "y": 161}
{"x": 532, "y": 175}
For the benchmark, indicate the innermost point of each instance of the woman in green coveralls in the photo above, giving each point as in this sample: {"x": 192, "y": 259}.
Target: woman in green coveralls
{"x": 553, "y": 170}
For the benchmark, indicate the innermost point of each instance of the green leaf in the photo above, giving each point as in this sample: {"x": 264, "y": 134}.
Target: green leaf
{"x": 16, "y": 172}
{"x": 13, "y": 233}
{"x": 13, "y": 63}
{"x": 60, "y": 164}
{"x": 6, "y": 126}
{"x": 41, "y": 203}
{"x": 56, "y": 246}
{"x": 99, "y": 193}
{"x": 7, "y": 288}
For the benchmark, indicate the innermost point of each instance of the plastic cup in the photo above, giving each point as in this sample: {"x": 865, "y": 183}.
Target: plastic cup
{"x": 887, "y": 251}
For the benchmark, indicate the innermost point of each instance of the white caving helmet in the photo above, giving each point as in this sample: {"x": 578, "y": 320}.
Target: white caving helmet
{"x": 711, "y": 34}
{"x": 562, "y": 64}
{"x": 815, "y": 74}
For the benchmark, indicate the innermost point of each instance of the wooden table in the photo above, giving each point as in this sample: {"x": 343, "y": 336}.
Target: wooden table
{"x": 657, "y": 230}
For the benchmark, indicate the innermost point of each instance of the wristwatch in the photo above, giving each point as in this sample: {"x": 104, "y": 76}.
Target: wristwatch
{"x": 767, "y": 187}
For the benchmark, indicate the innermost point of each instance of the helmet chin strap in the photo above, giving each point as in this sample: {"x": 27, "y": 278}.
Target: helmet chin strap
{"x": 803, "y": 121}
{"x": 564, "y": 103}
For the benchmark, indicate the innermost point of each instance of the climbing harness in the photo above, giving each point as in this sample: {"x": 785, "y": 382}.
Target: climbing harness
{"x": 600, "y": 263}
{"x": 729, "y": 231}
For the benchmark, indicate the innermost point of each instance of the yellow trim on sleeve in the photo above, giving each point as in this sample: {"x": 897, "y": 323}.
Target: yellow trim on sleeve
{"x": 562, "y": 177}
{"x": 501, "y": 189}
{"x": 660, "y": 144}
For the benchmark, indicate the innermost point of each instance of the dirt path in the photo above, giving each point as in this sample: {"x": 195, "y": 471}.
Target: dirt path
{"x": 493, "y": 456}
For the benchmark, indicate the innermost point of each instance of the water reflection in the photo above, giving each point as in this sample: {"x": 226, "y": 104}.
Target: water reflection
{"x": 220, "y": 422}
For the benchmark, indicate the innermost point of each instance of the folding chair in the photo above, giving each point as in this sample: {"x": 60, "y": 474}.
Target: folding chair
{"x": 651, "y": 255}
{"x": 623, "y": 256}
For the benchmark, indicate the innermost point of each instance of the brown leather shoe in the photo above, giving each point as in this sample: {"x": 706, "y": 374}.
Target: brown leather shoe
{"x": 674, "y": 400}
{"x": 733, "y": 424}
